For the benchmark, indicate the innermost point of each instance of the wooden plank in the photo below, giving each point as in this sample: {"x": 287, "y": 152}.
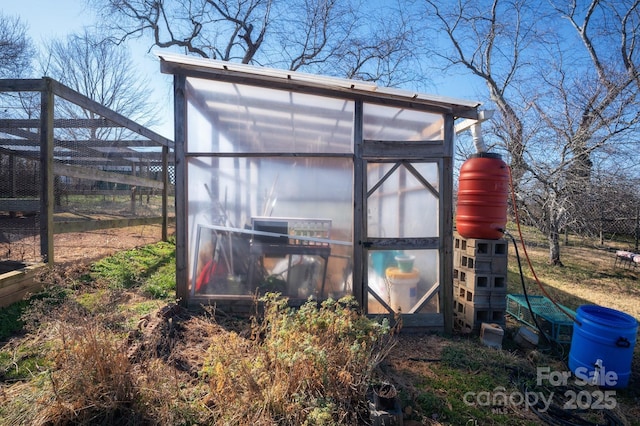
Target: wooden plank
{"x": 68, "y": 226}
{"x": 108, "y": 192}
{"x": 422, "y": 322}
{"x": 59, "y": 123}
{"x": 415, "y": 323}
{"x": 19, "y": 204}
{"x": 415, "y": 243}
{"x": 15, "y": 285}
{"x": 22, "y": 85}
{"x": 407, "y": 150}
{"x": 240, "y": 305}
{"x": 95, "y": 174}
{"x": 269, "y": 154}
{"x": 31, "y": 140}
{"x": 92, "y": 163}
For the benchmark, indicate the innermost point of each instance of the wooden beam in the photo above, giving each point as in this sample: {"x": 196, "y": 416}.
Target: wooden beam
{"x": 415, "y": 243}
{"x": 180, "y": 137}
{"x": 81, "y": 172}
{"x": 46, "y": 173}
{"x": 165, "y": 193}
{"x": 68, "y": 226}
{"x": 31, "y": 139}
{"x": 446, "y": 227}
{"x": 425, "y": 298}
{"x": 59, "y": 123}
{"x": 22, "y": 85}
{"x": 19, "y": 204}
{"x": 360, "y": 284}
{"x": 95, "y": 174}
{"x": 85, "y": 102}
{"x": 407, "y": 150}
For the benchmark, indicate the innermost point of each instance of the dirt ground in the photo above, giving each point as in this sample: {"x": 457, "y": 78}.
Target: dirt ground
{"x": 77, "y": 246}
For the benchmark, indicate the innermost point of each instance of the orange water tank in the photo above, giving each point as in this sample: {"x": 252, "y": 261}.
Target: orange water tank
{"x": 483, "y": 190}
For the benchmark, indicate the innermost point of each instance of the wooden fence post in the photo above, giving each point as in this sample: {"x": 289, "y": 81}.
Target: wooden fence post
{"x": 46, "y": 171}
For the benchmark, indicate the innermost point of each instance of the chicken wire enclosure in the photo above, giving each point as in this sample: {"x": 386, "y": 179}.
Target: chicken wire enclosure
{"x": 301, "y": 184}
{"x": 70, "y": 165}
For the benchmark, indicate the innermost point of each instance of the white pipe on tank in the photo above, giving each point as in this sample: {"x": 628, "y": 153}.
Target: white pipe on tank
{"x": 475, "y": 127}
{"x": 478, "y": 141}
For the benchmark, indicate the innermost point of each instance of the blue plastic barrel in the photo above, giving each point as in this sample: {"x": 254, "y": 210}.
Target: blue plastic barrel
{"x": 602, "y": 346}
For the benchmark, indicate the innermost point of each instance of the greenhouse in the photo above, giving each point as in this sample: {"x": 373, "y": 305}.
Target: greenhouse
{"x": 313, "y": 187}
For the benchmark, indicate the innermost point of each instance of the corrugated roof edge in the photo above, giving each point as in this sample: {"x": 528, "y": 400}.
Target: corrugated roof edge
{"x": 461, "y": 107}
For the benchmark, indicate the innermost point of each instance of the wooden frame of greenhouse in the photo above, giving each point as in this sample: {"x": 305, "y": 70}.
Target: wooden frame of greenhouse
{"x": 313, "y": 187}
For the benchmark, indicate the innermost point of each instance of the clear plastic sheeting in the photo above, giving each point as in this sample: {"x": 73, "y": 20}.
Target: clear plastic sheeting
{"x": 387, "y": 123}
{"x": 403, "y": 200}
{"x": 225, "y": 117}
{"x": 310, "y": 199}
{"x": 312, "y": 186}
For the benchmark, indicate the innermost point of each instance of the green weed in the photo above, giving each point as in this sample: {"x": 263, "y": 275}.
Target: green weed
{"x": 10, "y": 319}
{"x": 130, "y": 268}
{"x": 162, "y": 283}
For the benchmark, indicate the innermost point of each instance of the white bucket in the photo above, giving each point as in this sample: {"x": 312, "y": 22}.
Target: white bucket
{"x": 403, "y": 289}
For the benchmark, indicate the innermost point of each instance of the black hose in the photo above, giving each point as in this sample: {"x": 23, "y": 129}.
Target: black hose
{"x": 524, "y": 288}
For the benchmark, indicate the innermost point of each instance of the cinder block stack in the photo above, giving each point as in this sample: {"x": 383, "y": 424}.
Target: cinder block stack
{"x": 479, "y": 281}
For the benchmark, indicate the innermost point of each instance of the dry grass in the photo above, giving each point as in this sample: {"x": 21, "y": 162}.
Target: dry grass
{"x": 95, "y": 366}
{"x": 587, "y": 277}
{"x": 84, "y": 376}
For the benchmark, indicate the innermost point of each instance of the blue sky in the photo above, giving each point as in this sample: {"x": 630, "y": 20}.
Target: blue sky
{"x": 48, "y": 18}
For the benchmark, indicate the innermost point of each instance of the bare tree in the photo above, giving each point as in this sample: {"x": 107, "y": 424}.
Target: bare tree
{"x": 16, "y": 56}
{"x": 16, "y": 48}
{"x": 351, "y": 39}
{"x": 347, "y": 38}
{"x": 103, "y": 71}
{"x": 608, "y": 104}
{"x": 563, "y": 102}
{"x": 226, "y": 30}
{"x": 492, "y": 40}
{"x": 589, "y": 112}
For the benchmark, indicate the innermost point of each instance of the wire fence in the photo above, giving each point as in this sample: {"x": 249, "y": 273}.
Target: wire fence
{"x": 607, "y": 214}
{"x": 71, "y": 168}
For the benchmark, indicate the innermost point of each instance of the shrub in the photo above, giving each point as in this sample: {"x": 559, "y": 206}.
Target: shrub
{"x": 310, "y": 365}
